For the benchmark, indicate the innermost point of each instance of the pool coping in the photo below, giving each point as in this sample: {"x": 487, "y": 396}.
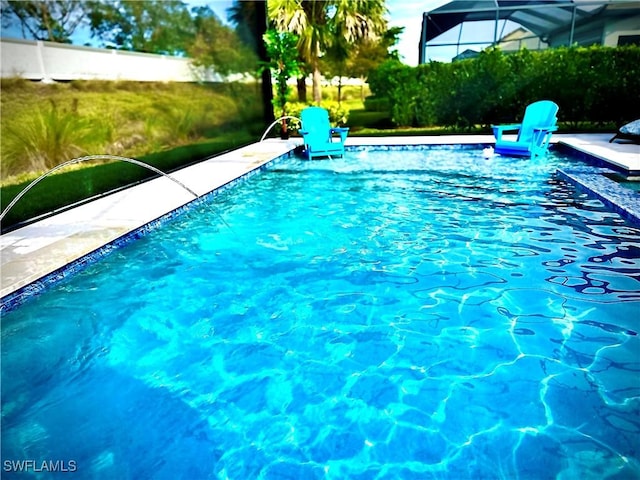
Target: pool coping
{"x": 36, "y": 255}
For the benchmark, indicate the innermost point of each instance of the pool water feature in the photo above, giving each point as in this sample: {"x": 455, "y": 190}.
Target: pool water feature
{"x": 396, "y": 314}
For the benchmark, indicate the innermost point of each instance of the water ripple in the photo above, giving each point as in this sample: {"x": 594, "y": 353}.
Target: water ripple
{"x": 378, "y": 317}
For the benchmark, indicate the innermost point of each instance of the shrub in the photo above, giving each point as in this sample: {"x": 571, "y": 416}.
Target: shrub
{"x": 398, "y": 83}
{"x": 49, "y": 137}
{"x": 338, "y": 114}
{"x": 595, "y": 84}
{"x": 375, "y": 104}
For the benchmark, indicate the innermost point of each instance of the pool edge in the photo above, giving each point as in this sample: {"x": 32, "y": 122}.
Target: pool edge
{"x": 623, "y": 201}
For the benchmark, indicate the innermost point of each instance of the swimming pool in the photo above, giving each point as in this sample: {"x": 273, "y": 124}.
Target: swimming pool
{"x": 623, "y": 180}
{"x": 400, "y": 314}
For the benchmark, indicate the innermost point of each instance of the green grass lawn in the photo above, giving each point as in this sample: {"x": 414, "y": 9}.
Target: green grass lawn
{"x": 44, "y": 125}
{"x": 167, "y": 125}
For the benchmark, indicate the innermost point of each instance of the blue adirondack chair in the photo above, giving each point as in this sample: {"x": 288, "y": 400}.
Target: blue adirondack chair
{"x": 534, "y": 133}
{"x": 318, "y": 135}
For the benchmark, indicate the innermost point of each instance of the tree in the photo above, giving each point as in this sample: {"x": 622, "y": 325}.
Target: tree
{"x": 53, "y": 20}
{"x": 153, "y": 26}
{"x": 334, "y": 63}
{"x": 250, "y": 18}
{"x": 320, "y": 24}
{"x": 364, "y": 55}
{"x": 217, "y": 45}
{"x": 368, "y": 55}
{"x": 283, "y": 63}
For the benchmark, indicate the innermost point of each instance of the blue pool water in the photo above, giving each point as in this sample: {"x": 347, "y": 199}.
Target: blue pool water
{"x": 405, "y": 314}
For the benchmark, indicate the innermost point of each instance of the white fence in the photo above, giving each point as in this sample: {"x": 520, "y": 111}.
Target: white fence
{"x": 48, "y": 61}
{"x": 51, "y": 62}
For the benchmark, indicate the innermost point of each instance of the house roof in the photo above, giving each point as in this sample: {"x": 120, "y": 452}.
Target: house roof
{"x": 544, "y": 18}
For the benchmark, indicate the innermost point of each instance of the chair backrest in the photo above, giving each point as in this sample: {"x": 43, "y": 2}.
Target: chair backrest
{"x": 538, "y": 114}
{"x": 315, "y": 120}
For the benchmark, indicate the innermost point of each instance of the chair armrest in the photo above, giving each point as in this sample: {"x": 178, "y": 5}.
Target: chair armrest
{"x": 342, "y": 131}
{"x": 546, "y": 129}
{"x": 304, "y": 134}
{"x": 507, "y": 127}
{"x": 499, "y": 129}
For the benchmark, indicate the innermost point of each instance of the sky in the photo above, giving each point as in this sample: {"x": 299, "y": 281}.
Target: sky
{"x": 402, "y": 13}
{"x": 408, "y": 14}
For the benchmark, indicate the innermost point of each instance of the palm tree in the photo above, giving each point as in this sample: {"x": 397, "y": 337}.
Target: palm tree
{"x": 321, "y": 23}
{"x": 250, "y": 18}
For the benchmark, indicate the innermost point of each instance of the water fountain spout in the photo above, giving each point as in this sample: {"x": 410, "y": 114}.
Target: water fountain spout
{"x": 93, "y": 157}
{"x": 279, "y": 120}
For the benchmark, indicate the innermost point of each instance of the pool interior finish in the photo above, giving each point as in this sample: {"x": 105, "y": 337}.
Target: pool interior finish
{"x": 397, "y": 314}
{"x": 632, "y": 183}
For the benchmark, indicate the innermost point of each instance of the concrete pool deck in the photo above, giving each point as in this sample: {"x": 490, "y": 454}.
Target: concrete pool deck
{"x": 41, "y": 249}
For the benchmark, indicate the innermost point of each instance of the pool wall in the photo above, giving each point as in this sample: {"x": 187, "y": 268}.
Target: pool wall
{"x": 624, "y": 201}
{"x": 590, "y": 178}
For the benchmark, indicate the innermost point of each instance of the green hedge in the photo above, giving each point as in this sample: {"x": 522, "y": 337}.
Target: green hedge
{"x": 594, "y": 84}
{"x": 338, "y": 114}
